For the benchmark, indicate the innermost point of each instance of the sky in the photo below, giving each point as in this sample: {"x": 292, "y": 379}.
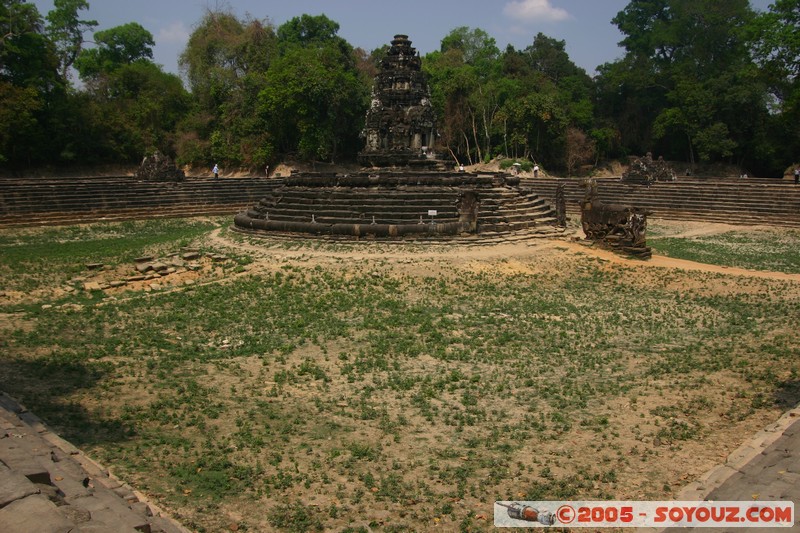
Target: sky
{"x": 585, "y": 25}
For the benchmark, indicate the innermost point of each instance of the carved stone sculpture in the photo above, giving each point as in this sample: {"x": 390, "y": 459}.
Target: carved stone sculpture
{"x": 619, "y": 228}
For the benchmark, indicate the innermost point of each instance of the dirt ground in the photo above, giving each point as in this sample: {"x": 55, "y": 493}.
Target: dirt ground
{"x": 631, "y": 464}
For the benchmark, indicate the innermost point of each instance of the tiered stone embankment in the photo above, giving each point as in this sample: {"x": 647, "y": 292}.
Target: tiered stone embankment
{"x": 393, "y": 205}
{"x": 52, "y": 201}
{"x": 731, "y": 200}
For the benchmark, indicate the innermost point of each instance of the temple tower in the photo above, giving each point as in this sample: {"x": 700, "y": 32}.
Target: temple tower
{"x": 400, "y": 124}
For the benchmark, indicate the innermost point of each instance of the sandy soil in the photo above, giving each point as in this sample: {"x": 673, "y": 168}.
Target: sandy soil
{"x": 650, "y": 469}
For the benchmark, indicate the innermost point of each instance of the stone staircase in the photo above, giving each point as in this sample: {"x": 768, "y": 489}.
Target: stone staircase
{"x": 734, "y": 201}
{"x": 338, "y": 206}
{"x": 397, "y": 205}
{"x": 504, "y": 210}
{"x": 53, "y": 201}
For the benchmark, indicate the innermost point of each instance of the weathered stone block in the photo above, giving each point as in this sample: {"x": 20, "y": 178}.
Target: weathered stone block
{"x": 34, "y": 513}
{"x": 14, "y": 486}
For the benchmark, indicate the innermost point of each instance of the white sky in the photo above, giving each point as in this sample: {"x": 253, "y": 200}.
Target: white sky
{"x": 585, "y": 25}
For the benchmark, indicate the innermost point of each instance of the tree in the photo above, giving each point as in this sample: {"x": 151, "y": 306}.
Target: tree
{"x": 131, "y": 107}
{"x": 30, "y": 86}
{"x": 66, "y": 30}
{"x": 467, "y": 91}
{"x": 27, "y": 57}
{"x": 687, "y": 83}
{"x": 309, "y": 31}
{"x": 579, "y": 149}
{"x": 118, "y": 46}
{"x": 315, "y": 97}
{"x": 225, "y": 63}
{"x": 776, "y": 47}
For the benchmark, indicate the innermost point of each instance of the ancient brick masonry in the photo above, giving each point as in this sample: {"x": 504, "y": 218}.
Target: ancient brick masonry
{"x": 400, "y": 123}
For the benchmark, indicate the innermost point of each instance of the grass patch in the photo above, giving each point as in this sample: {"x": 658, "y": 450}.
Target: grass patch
{"x": 777, "y": 251}
{"x": 334, "y": 391}
{"x": 30, "y": 259}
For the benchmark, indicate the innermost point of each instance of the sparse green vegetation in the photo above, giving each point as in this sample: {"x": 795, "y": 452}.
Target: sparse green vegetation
{"x": 772, "y": 249}
{"x": 344, "y": 386}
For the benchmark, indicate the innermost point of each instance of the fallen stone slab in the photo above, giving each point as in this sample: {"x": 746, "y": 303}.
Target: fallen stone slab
{"x": 191, "y": 256}
{"x": 23, "y": 458}
{"x": 94, "y": 266}
{"x": 143, "y": 267}
{"x": 108, "y": 508}
{"x": 91, "y": 286}
{"x": 130, "y": 279}
{"x": 144, "y": 259}
{"x": 118, "y": 283}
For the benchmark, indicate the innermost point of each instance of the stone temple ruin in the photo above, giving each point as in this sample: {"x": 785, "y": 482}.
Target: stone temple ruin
{"x": 622, "y": 229}
{"x": 645, "y": 171}
{"x": 400, "y": 124}
{"x": 400, "y": 193}
{"x": 159, "y": 167}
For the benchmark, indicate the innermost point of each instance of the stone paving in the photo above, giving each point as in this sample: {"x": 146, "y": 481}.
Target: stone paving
{"x": 765, "y": 468}
{"x": 49, "y": 486}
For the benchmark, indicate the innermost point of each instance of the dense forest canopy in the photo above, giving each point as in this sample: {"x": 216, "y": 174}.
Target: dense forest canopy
{"x": 700, "y": 81}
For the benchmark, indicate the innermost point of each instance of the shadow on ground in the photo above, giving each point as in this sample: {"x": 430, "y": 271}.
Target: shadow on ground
{"x": 44, "y": 387}
{"x": 787, "y": 395}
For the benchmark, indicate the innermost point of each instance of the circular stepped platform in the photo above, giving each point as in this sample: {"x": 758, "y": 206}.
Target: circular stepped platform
{"x": 397, "y": 205}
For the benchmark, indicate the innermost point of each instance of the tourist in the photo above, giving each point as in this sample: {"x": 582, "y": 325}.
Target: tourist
{"x": 797, "y": 176}
{"x": 266, "y": 171}
{"x": 535, "y": 171}
{"x": 461, "y": 168}
{"x": 215, "y": 170}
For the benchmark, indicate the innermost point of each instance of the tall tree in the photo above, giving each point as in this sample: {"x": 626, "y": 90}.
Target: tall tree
{"x": 132, "y": 107}
{"x": 225, "y": 62}
{"x": 467, "y": 90}
{"x": 66, "y": 30}
{"x": 687, "y": 79}
{"x": 315, "y": 96}
{"x": 29, "y": 85}
{"x": 776, "y": 45}
{"x": 118, "y": 46}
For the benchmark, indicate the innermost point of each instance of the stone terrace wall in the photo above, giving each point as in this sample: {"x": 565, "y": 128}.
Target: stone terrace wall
{"x": 50, "y": 201}
{"x": 732, "y": 201}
